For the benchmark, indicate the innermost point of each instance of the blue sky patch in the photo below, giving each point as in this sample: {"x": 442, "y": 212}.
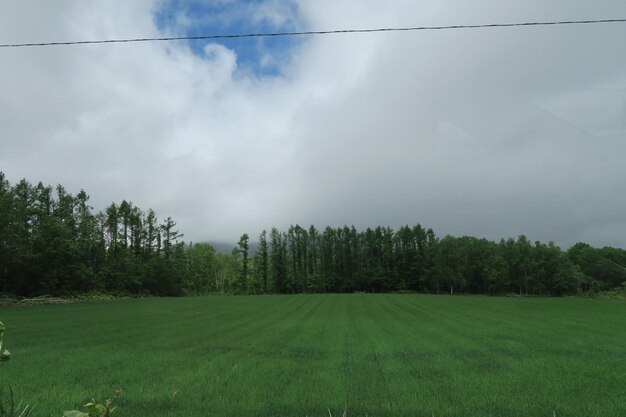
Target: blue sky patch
{"x": 261, "y": 56}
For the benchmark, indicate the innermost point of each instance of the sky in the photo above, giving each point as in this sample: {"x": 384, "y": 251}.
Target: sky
{"x": 491, "y": 133}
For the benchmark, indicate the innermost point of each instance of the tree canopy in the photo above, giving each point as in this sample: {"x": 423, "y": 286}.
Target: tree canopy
{"x": 52, "y": 242}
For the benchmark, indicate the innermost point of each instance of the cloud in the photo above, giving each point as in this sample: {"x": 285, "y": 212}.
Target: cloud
{"x": 450, "y": 129}
{"x": 275, "y": 13}
{"x": 491, "y": 132}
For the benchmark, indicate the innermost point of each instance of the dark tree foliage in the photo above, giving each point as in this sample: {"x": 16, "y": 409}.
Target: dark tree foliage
{"x": 598, "y": 269}
{"x": 52, "y": 242}
{"x": 278, "y": 260}
{"x": 414, "y": 259}
{"x": 243, "y": 251}
{"x": 263, "y": 261}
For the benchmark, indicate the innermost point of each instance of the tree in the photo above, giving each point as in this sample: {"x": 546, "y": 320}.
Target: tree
{"x": 495, "y": 274}
{"x": 124, "y": 212}
{"x": 303, "y": 252}
{"x": 90, "y": 242}
{"x": 137, "y": 233}
{"x": 312, "y": 245}
{"x": 6, "y": 217}
{"x": 202, "y": 269}
{"x": 327, "y": 259}
{"x": 407, "y": 267}
{"x": 451, "y": 261}
{"x": 263, "y": 260}
{"x": 371, "y": 267}
{"x": 243, "y": 250}
{"x": 152, "y": 235}
{"x": 555, "y": 272}
{"x": 278, "y": 259}
{"x": 19, "y": 255}
{"x": 524, "y": 257}
{"x": 170, "y": 236}
{"x": 52, "y": 243}
{"x": 227, "y": 272}
{"x": 112, "y": 221}
{"x": 293, "y": 270}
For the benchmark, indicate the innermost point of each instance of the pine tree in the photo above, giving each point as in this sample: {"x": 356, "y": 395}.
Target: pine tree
{"x": 243, "y": 251}
{"x": 263, "y": 260}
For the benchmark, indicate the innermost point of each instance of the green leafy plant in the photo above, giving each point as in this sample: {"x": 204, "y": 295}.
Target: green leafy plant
{"x": 8, "y": 408}
{"x": 5, "y": 355}
{"x": 95, "y": 409}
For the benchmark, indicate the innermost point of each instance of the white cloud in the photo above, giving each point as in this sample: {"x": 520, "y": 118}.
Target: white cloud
{"x": 489, "y": 132}
{"x": 276, "y": 13}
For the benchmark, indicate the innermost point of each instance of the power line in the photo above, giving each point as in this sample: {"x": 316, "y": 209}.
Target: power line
{"x": 325, "y": 32}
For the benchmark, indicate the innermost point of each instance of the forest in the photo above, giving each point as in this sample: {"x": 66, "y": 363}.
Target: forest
{"x": 54, "y": 243}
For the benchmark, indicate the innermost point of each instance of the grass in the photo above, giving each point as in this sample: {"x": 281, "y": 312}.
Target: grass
{"x": 376, "y": 355}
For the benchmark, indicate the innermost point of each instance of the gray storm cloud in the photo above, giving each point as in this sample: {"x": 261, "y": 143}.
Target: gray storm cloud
{"x": 491, "y": 133}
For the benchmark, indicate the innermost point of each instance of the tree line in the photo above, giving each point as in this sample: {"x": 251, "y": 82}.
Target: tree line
{"x": 52, "y": 242}
{"x": 414, "y": 259}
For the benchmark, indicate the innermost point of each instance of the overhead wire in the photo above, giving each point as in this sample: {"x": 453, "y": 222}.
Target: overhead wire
{"x": 310, "y": 33}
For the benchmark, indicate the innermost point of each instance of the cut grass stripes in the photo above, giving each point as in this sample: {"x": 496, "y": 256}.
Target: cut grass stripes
{"x": 375, "y": 355}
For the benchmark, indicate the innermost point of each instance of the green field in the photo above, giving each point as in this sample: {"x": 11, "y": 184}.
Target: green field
{"x": 377, "y": 355}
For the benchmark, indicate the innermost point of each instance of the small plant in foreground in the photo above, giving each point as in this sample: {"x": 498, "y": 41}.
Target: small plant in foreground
{"x": 95, "y": 409}
{"x": 5, "y": 355}
{"x": 345, "y": 411}
{"x": 9, "y": 409}
{"x": 7, "y": 406}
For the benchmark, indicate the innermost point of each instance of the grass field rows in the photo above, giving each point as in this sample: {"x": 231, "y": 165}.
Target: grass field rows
{"x": 376, "y": 355}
